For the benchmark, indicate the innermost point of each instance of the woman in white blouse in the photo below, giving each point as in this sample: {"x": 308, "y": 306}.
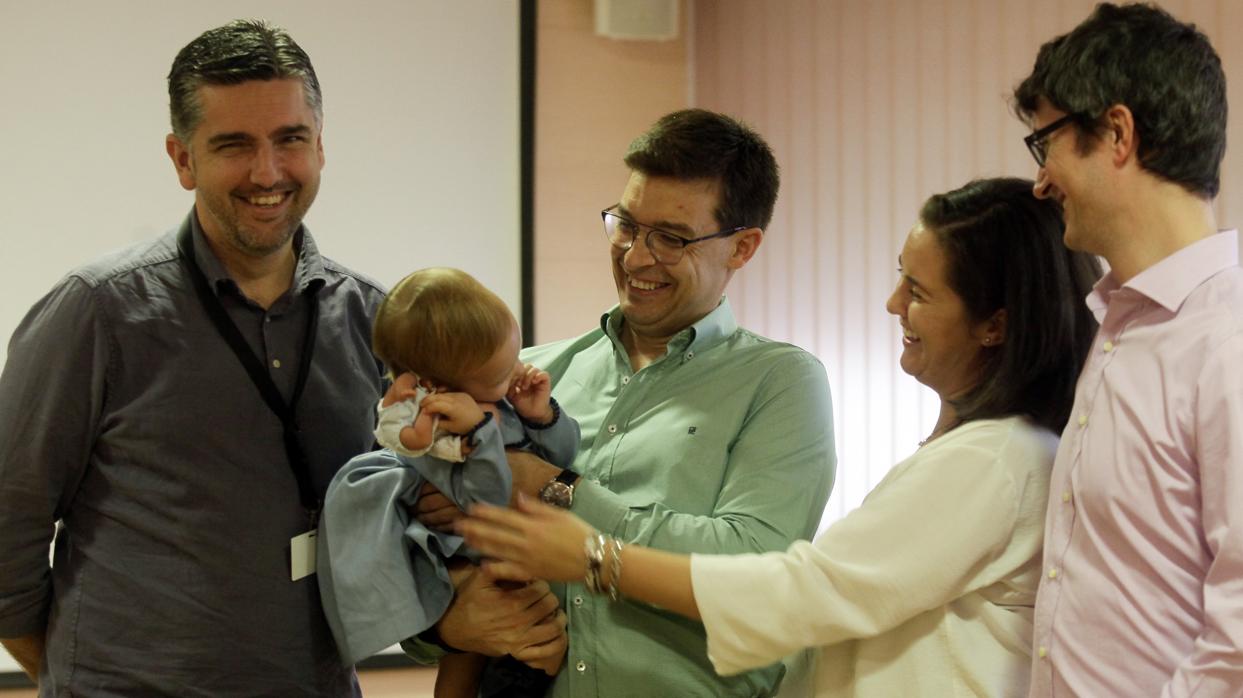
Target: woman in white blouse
{"x": 927, "y": 588}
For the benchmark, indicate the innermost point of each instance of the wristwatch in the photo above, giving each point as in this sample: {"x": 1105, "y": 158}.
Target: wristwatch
{"x": 559, "y": 491}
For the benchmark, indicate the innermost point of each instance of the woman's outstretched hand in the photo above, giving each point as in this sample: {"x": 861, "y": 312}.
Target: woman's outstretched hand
{"x": 534, "y": 540}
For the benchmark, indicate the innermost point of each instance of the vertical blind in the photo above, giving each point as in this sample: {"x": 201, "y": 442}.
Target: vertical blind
{"x": 872, "y": 106}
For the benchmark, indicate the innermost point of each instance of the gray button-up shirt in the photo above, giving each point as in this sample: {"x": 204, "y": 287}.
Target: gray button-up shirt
{"x": 125, "y": 416}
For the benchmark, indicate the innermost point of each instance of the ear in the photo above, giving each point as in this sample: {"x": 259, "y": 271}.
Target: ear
{"x": 992, "y": 332}
{"x": 1120, "y": 137}
{"x": 746, "y": 243}
{"x": 319, "y": 147}
{"x": 179, "y": 153}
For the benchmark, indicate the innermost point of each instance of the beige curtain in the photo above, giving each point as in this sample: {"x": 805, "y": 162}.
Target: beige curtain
{"x": 871, "y": 107}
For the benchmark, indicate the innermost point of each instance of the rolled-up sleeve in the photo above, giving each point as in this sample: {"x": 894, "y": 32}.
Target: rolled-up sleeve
{"x": 922, "y": 539}
{"x": 51, "y": 395}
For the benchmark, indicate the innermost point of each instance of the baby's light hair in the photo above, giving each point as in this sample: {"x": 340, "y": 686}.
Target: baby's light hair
{"x": 440, "y": 324}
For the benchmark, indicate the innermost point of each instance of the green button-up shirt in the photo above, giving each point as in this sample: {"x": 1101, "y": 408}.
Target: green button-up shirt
{"x": 723, "y": 445}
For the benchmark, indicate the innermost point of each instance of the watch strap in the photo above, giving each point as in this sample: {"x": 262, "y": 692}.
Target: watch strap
{"x": 559, "y": 491}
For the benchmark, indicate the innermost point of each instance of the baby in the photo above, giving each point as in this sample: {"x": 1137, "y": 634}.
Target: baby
{"x": 412, "y": 408}
{"x": 459, "y": 398}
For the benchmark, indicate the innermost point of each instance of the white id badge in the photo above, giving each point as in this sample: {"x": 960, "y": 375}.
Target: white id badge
{"x": 302, "y": 555}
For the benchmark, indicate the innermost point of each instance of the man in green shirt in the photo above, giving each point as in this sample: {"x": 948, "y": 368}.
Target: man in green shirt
{"x": 697, "y": 435}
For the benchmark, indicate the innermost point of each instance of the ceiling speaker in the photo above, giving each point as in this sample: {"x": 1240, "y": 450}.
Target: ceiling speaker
{"x": 637, "y": 20}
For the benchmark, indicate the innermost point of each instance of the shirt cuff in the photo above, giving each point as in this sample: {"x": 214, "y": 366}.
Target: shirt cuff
{"x": 537, "y": 426}
{"x": 726, "y": 650}
{"x": 600, "y": 507}
{"x": 425, "y": 651}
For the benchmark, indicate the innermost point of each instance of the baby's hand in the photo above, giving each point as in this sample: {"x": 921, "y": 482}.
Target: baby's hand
{"x": 530, "y": 393}
{"x": 403, "y": 388}
{"x": 459, "y": 413}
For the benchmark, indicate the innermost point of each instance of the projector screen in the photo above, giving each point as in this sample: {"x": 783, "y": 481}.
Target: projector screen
{"x": 421, "y": 135}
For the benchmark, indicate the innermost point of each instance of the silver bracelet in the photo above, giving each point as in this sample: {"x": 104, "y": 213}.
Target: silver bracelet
{"x": 616, "y": 569}
{"x": 597, "y": 547}
{"x": 594, "y": 548}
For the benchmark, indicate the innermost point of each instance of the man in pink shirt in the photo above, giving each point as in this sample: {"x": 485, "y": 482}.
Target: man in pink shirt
{"x": 1142, "y": 589}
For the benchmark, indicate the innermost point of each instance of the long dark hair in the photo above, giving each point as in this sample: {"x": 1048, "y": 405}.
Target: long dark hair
{"x": 1004, "y": 250}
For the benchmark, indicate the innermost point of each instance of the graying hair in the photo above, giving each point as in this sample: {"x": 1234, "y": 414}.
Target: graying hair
{"x": 242, "y": 50}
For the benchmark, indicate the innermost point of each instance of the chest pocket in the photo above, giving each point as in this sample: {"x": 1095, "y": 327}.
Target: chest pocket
{"x": 674, "y": 451}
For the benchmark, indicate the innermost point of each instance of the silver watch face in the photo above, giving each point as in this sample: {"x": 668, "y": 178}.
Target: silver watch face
{"x": 557, "y": 493}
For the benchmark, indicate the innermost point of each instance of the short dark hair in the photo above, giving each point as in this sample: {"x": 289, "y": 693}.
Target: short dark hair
{"x": 242, "y": 50}
{"x": 700, "y": 144}
{"x": 1004, "y": 250}
{"x": 1166, "y": 72}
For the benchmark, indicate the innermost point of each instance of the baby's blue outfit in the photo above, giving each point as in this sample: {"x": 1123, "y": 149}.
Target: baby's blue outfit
{"x": 382, "y": 575}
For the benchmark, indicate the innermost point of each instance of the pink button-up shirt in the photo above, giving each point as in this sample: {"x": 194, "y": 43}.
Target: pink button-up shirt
{"x": 1142, "y": 588}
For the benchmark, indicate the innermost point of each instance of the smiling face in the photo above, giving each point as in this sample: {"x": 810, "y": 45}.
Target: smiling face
{"x": 490, "y": 382}
{"x": 660, "y": 300}
{"x": 1076, "y": 180}
{"x": 253, "y": 162}
{"x": 941, "y": 346}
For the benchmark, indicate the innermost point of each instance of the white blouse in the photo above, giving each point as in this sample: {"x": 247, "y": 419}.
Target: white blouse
{"x": 926, "y": 589}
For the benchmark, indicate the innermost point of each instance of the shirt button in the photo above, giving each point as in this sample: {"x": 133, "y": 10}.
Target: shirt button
{"x": 1053, "y": 573}
{"x": 1065, "y": 496}
{"x": 276, "y": 363}
{"x": 625, "y": 380}
{"x": 1042, "y": 652}
{"x": 268, "y": 319}
{"x": 1108, "y": 347}
{"x": 1083, "y": 420}
{"x": 690, "y": 355}
{"x": 612, "y": 428}
{"x": 578, "y": 600}
{"x": 581, "y": 666}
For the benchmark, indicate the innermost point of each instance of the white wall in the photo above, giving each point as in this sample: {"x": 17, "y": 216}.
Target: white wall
{"x": 421, "y": 135}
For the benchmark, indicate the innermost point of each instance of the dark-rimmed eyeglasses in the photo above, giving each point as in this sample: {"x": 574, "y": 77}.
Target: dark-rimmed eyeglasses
{"x": 1038, "y": 141}
{"x": 664, "y": 246}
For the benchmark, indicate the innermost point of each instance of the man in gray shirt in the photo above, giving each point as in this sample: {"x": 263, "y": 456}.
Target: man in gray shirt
{"x": 180, "y": 406}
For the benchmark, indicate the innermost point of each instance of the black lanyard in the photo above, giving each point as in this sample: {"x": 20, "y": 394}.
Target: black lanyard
{"x": 258, "y": 373}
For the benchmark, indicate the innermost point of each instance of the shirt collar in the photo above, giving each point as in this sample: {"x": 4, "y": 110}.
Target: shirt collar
{"x": 1171, "y": 280}
{"x": 709, "y": 330}
{"x": 308, "y": 273}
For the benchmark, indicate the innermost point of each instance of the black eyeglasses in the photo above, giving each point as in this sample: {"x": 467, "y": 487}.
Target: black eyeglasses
{"x": 664, "y": 246}
{"x": 1038, "y": 141}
